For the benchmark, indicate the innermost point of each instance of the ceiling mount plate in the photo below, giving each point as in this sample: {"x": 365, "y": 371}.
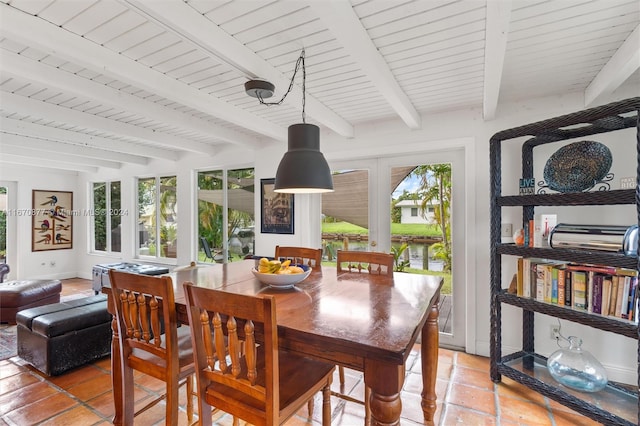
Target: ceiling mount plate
{"x": 260, "y": 89}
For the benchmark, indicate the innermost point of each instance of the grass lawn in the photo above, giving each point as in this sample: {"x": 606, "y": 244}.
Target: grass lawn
{"x": 396, "y": 229}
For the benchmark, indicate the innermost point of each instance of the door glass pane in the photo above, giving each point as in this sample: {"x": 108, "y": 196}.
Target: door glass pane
{"x": 116, "y": 216}
{"x": 147, "y": 216}
{"x": 345, "y": 213}
{"x": 421, "y": 226}
{"x": 210, "y": 218}
{"x": 168, "y": 217}
{"x": 240, "y": 213}
{"x": 100, "y": 216}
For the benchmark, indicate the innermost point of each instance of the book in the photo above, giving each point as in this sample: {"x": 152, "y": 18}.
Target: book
{"x": 622, "y": 282}
{"x": 568, "y": 294}
{"x": 554, "y": 284}
{"x": 596, "y": 293}
{"x": 562, "y": 272}
{"x": 519, "y": 279}
{"x": 607, "y": 283}
{"x": 624, "y": 305}
{"x": 614, "y": 295}
{"x": 632, "y": 295}
{"x": 540, "y": 278}
{"x": 579, "y": 284}
{"x": 589, "y": 297}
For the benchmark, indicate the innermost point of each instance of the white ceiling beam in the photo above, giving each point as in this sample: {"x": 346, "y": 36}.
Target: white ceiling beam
{"x": 495, "y": 48}
{"x": 178, "y": 17}
{"x": 110, "y": 149}
{"x": 616, "y": 71}
{"x": 40, "y": 109}
{"x": 24, "y": 68}
{"x": 345, "y": 25}
{"x": 41, "y": 140}
{"x": 23, "y": 146}
{"x": 60, "y": 43}
{"x": 11, "y": 159}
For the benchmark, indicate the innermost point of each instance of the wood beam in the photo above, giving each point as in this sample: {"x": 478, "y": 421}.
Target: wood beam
{"x": 11, "y": 159}
{"x": 40, "y": 109}
{"x": 345, "y": 25}
{"x": 20, "y": 67}
{"x": 616, "y": 71}
{"x": 181, "y": 19}
{"x": 495, "y": 47}
{"x": 23, "y": 146}
{"x": 60, "y": 43}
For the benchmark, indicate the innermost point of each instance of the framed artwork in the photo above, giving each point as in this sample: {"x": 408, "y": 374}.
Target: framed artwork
{"x": 277, "y": 209}
{"x": 52, "y": 220}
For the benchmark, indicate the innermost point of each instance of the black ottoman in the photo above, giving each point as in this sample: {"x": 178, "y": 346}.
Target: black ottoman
{"x": 61, "y": 336}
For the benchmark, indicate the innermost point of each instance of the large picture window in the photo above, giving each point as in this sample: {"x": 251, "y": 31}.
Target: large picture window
{"x": 107, "y": 216}
{"x": 157, "y": 217}
{"x": 226, "y": 227}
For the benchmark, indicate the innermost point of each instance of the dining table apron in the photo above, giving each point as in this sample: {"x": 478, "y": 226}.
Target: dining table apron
{"x": 364, "y": 322}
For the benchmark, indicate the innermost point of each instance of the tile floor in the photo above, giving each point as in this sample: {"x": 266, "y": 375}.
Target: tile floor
{"x": 466, "y": 395}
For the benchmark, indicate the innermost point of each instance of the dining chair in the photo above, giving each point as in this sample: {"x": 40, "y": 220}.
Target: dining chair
{"x": 256, "y": 381}
{"x": 376, "y": 263}
{"x": 151, "y": 341}
{"x": 301, "y": 255}
{"x": 372, "y": 262}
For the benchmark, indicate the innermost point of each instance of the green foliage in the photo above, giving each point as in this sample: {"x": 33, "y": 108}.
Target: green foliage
{"x": 400, "y": 264}
{"x": 415, "y": 229}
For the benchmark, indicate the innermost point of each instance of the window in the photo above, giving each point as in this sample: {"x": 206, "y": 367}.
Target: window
{"x": 414, "y": 212}
{"x": 157, "y": 217}
{"x": 225, "y": 234}
{"x": 107, "y": 216}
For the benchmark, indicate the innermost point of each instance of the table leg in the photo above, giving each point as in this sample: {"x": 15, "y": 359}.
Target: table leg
{"x": 116, "y": 368}
{"x": 429, "y": 353}
{"x": 385, "y": 381}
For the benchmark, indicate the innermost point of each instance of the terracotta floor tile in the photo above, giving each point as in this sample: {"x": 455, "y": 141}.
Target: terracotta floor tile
{"x": 56, "y": 404}
{"x": 103, "y": 404}
{"x": 75, "y": 376}
{"x": 16, "y": 381}
{"x": 76, "y": 416}
{"x": 89, "y": 389}
{"x": 468, "y": 396}
{"x": 8, "y": 368}
{"x": 472, "y": 361}
{"x": 566, "y": 418}
{"x": 456, "y": 415}
{"x": 525, "y": 412}
{"x": 472, "y": 377}
{"x": 25, "y": 396}
{"x": 512, "y": 389}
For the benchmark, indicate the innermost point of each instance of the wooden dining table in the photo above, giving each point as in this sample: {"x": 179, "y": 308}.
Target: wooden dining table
{"x": 364, "y": 322}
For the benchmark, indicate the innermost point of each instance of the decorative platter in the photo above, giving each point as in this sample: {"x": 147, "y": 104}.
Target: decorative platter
{"x": 578, "y": 166}
{"x": 282, "y": 281}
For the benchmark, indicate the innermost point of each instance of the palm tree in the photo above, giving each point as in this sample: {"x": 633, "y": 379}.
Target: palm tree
{"x": 435, "y": 187}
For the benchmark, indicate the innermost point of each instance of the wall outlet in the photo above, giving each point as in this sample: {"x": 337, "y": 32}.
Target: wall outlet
{"x": 506, "y": 230}
{"x": 52, "y": 263}
{"x": 554, "y": 332}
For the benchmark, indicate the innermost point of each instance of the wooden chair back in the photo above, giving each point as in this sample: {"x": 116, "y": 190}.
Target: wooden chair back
{"x": 301, "y": 255}
{"x": 149, "y": 338}
{"x": 245, "y": 383}
{"x": 365, "y": 261}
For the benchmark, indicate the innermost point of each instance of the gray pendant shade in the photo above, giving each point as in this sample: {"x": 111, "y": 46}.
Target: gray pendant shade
{"x": 303, "y": 168}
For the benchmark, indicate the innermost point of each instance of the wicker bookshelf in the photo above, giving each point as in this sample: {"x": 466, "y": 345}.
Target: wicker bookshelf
{"x": 615, "y": 405}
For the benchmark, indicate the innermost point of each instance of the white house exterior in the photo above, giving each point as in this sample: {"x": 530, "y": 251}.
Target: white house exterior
{"x": 411, "y": 212}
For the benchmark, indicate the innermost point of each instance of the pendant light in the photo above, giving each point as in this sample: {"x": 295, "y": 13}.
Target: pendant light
{"x": 303, "y": 168}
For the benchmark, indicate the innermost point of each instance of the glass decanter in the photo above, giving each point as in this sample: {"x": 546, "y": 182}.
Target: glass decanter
{"x": 576, "y": 368}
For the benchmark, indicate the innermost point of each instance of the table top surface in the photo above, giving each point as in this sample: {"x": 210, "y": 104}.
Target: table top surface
{"x": 368, "y": 315}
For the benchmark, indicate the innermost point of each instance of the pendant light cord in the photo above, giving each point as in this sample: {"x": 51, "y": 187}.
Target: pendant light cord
{"x": 299, "y": 62}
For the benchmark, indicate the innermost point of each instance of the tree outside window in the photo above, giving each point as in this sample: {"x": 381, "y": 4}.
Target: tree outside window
{"x": 107, "y": 216}
{"x": 157, "y": 217}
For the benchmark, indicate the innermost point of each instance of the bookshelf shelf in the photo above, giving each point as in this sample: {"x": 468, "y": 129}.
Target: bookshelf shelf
{"x": 615, "y": 405}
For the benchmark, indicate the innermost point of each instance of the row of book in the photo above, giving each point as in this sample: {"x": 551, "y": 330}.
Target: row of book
{"x": 597, "y": 289}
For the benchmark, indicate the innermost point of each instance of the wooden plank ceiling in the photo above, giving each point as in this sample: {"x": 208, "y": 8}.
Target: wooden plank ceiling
{"x": 89, "y": 84}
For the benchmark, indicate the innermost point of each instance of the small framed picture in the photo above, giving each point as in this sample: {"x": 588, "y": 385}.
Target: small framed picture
{"x": 276, "y": 208}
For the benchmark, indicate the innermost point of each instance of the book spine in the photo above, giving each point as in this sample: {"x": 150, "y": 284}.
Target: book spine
{"x": 526, "y": 278}
{"x": 579, "y": 284}
{"x": 590, "y": 275}
{"x": 540, "y": 282}
{"x": 596, "y": 296}
{"x": 632, "y": 296}
{"x": 615, "y": 280}
{"x": 554, "y": 285}
{"x": 567, "y": 288}
{"x": 519, "y": 286}
{"x": 624, "y": 306}
{"x": 561, "y": 286}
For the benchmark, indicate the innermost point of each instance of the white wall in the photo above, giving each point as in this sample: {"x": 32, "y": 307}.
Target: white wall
{"x": 379, "y": 139}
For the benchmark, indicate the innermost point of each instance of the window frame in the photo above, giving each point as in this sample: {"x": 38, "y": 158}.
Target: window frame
{"x": 157, "y": 256}
{"x": 93, "y": 212}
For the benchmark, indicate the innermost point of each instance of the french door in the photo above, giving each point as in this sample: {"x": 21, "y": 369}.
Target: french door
{"x": 363, "y": 196}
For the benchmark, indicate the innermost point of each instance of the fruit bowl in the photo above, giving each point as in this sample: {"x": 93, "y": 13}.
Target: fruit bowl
{"x": 282, "y": 280}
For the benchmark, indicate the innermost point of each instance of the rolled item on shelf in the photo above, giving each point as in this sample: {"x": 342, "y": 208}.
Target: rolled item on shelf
{"x": 612, "y": 238}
